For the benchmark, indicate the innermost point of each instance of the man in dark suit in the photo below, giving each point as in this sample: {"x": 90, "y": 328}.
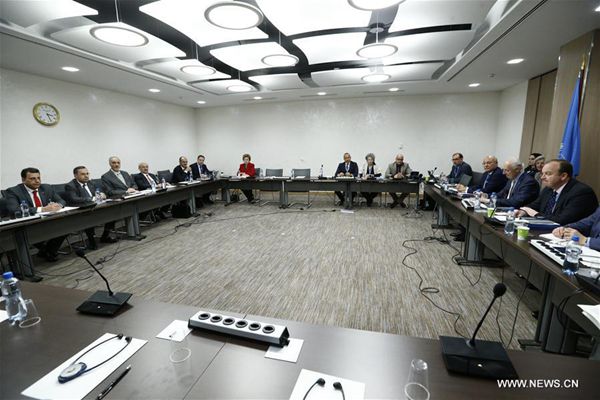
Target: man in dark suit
{"x": 346, "y": 168}
{"x": 564, "y": 199}
{"x": 492, "y": 179}
{"x": 81, "y": 190}
{"x": 398, "y": 170}
{"x": 39, "y": 198}
{"x": 117, "y": 182}
{"x": 200, "y": 170}
{"x": 182, "y": 172}
{"x": 459, "y": 168}
{"x": 588, "y": 230}
{"x": 144, "y": 180}
{"x": 521, "y": 188}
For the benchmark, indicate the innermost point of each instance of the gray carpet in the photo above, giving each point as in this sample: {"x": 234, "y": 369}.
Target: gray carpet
{"x": 315, "y": 266}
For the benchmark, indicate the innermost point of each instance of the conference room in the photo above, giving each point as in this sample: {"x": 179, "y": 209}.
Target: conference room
{"x": 299, "y": 199}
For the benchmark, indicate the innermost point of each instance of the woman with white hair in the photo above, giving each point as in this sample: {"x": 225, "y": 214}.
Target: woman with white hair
{"x": 370, "y": 171}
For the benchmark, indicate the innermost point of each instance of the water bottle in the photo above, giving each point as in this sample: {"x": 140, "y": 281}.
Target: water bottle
{"x": 163, "y": 183}
{"x": 444, "y": 181}
{"x": 477, "y": 199}
{"x": 493, "y": 198}
{"x": 509, "y": 225}
{"x": 153, "y": 185}
{"x": 98, "y": 196}
{"x": 572, "y": 253}
{"x": 24, "y": 209}
{"x": 321, "y": 171}
{"x": 11, "y": 291}
{"x": 292, "y": 173}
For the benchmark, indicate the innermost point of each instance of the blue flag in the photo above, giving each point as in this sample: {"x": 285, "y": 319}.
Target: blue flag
{"x": 570, "y": 148}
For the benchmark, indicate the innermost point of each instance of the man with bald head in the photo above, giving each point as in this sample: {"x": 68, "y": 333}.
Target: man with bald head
{"x": 117, "y": 182}
{"x": 182, "y": 172}
{"x": 521, "y": 189}
{"x": 398, "y": 170}
{"x": 144, "y": 180}
{"x": 348, "y": 168}
{"x": 493, "y": 179}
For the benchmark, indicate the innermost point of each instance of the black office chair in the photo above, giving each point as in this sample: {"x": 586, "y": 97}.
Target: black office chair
{"x": 269, "y": 172}
{"x": 4, "y": 213}
{"x": 465, "y": 180}
{"x": 59, "y": 189}
{"x": 166, "y": 174}
{"x": 476, "y": 179}
{"x": 301, "y": 173}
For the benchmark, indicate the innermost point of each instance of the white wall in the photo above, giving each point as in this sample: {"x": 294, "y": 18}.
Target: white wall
{"x": 429, "y": 128}
{"x": 95, "y": 124}
{"x": 510, "y": 122}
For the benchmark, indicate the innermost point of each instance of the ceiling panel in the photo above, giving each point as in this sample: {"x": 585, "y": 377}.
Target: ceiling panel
{"x": 332, "y": 48}
{"x": 423, "y": 13}
{"x": 247, "y": 57}
{"x": 298, "y": 16}
{"x": 428, "y": 46}
{"x": 173, "y": 69}
{"x": 411, "y": 72}
{"x": 30, "y": 12}
{"x": 280, "y": 82}
{"x": 81, "y": 37}
{"x": 220, "y": 87}
{"x": 187, "y": 16}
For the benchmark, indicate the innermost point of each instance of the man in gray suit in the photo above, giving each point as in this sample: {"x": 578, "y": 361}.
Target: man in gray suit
{"x": 398, "y": 170}
{"x": 116, "y": 182}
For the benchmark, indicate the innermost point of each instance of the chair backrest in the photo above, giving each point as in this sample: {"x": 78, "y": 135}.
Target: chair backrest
{"x": 59, "y": 189}
{"x": 465, "y": 180}
{"x": 274, "y": 172}
{"x": 3, "y": 208}
{"x": 257, "y": 172}
{"x": 98, "y": 184}
{"x": 476, "y": 180}
{"x": 302, "y": 172}
{"x": 168, "y": 175}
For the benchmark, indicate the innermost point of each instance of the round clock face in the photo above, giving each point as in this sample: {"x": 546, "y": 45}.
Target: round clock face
{"x": 46, "y": 114}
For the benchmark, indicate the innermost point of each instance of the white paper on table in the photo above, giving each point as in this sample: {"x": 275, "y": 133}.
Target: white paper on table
{"x": 62, "y": 210}
{"x": 353, "y": 390}
{"x": 3, "y": 315}
{"x": 179, "y": 327}
{"x": 48, "y": 387}
{"x": 592, "y": 313}
{"x": 289, "y": 353}
{"x": 551, "y": 237}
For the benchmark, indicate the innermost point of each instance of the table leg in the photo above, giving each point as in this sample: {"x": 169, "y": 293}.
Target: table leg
{"x": 24, "y": 261}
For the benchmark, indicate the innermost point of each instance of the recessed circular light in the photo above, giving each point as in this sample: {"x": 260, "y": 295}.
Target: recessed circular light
{"x": 154, "y": 90}
{"x": 321, "y": 93}
{"x": 233, "y": 15}
{"x": 239, "y": 88}
{"x": 119, "y": 36}
{"x": 201, "y": 102}
{"x": 377, "y": 50}
{"x": 280, "y": 60}
{"x": 515, "y": 61}
{"x": 198, "y": 70}
{"x": 370, "y": 5}
{"x": 257, "y": 98}
{"x": 373, "y": 78}
{"x": 597, "y": 9}
{"x": 70, "y": 69}
{"x": 474, "y": 84}
{"x": 393, "y": 89}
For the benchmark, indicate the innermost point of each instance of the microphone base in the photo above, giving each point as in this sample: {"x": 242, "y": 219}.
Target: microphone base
{"x": 486, "y": 359}
{"x": 102, "y": 303}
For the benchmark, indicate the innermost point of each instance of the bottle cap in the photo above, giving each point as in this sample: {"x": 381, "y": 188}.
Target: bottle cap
{"x": 575, "y": 238}
{"x": 7, "y": 275}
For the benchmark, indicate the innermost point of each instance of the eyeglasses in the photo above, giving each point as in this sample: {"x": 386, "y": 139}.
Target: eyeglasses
{"x": 455, "y": 159}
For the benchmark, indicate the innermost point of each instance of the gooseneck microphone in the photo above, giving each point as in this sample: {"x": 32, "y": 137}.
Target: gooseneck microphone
{"x": 320, "y": 382}
{"x": 338, "y": 386}
{"x": 81, "y": 253}
{"x": 499, "y": 290}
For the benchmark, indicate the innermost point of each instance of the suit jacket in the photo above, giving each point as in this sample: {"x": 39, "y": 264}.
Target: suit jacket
{"x": 590, "y": 227}
{"x": 113, "y": 185}
{"x": 525, "y": 191}
{"x": 576, "y": 201}
{"x": 203, "y": 171}
{"x": 353, "y": 168}
{"x": 179, "y": 175}
{"x": 250, "y": 170}
{"x": 16, "y": 194}
{"x": 374, "y": 170}
{"x": 75, "y": 195}
{"x": 495, "y": 182}
{"x": 143, "y": 183}
{"x": 391, "y": 170}
{"x": 458, "y": 171}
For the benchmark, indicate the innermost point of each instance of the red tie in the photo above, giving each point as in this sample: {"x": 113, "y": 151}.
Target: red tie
{"x": 36, "y": 199}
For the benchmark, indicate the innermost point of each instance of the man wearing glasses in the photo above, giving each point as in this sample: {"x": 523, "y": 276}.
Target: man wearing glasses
{"x": 459, "y": 168}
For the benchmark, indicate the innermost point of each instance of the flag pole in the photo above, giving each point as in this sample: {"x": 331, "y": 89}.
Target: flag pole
{"x": 585, "y": 77}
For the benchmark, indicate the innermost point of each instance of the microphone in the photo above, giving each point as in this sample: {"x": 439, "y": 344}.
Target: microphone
{"x": 102, "y": 302}
{"x": 80, "y": 253}
{"x": 481, "y": 358}
{"x": 499, "y": 290}
{"x": 320, "y": 382}
{"x": 338, "y": 386}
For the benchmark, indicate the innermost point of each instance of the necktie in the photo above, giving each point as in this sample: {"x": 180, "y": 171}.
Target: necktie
{"x": 398, "y": 168}
{"x": 347, "y": 167}
{"x": 486, "y": 180}
{"x": 550, "y": 204}
{"x": 36, "y": 199}
{"x": 121, "y": 178}
{"x": 88, "y": 194}
{"x": 455, "y": 172}
{"x": 512, "y": 186}
{"x": 150, "y": 180}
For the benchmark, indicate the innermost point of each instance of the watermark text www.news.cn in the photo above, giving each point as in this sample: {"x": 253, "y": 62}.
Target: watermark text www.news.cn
{"x": 538, "y": 383}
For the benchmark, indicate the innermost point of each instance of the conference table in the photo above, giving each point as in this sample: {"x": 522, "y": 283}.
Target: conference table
{"x": 225, "y": 367}
{"x": 482, "y": 238}
{"x": 16, "y": 238}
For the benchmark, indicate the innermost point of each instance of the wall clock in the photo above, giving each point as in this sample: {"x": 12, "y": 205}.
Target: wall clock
{"x": 46, "y": 114}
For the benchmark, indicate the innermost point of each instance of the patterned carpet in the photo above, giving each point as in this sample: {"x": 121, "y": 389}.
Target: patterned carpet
{"x": 318, "y": 265}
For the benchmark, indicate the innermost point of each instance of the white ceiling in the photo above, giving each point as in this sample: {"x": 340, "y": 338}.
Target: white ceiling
{"x": 41, "y": 36}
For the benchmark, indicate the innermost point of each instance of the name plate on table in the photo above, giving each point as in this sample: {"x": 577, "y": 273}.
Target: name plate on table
{"x": 277, "y": 335}
{"x": 345, "y": 178}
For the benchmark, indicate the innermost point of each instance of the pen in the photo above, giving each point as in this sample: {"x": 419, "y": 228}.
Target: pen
{"x": 113, "y": 383}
